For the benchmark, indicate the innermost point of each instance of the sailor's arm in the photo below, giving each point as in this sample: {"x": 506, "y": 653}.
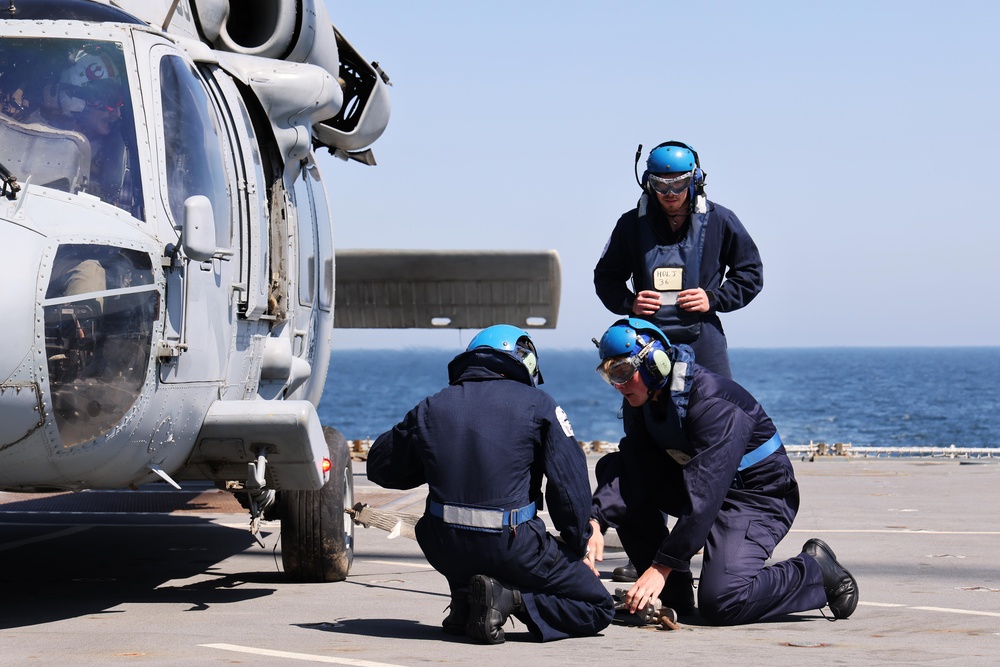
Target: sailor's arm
{"x": 567, "y": 492}
{"x": 745, "y": 269}
{"x": 393, "y": 459}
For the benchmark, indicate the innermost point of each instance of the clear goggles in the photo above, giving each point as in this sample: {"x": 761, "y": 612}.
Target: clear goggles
{"x": 670, "y": 186}
{"x": 617, "y": 371}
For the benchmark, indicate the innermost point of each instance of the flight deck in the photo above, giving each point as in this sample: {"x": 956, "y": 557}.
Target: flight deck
{"x": 165, "y": 577}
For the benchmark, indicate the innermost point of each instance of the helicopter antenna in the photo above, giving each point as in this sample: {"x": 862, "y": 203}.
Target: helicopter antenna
{"x": 169, "y": 17}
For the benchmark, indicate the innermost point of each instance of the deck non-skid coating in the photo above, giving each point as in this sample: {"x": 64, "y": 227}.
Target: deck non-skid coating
{"x": 164, "y": 587}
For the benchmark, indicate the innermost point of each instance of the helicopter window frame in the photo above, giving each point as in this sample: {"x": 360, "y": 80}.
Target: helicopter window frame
{"x": 102, "y": 309}
{"x": 184, "y": 109}
{"x": 324, "y": 231}
{"x": 314, "y": 251}
{"x": 306, "y": 251}
{"x": 42, "y": 121}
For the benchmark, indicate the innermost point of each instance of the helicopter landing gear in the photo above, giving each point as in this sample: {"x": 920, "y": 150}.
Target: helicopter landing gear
{"x": 317, "y": 537}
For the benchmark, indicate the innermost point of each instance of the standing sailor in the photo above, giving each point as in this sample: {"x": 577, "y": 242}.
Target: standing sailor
{"x": 687, "y": 258}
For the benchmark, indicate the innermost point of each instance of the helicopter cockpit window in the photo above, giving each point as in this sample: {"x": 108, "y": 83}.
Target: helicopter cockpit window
{"x": 66, "y": 119}
{"x": 193, "y": 146}
{"x": 100, "y": 308}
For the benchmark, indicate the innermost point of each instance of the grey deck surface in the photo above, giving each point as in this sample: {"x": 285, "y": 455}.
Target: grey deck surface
{"x": 180, "y": 582}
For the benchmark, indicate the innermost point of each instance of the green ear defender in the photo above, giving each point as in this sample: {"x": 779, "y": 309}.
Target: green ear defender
{"x": 661, "y": 360}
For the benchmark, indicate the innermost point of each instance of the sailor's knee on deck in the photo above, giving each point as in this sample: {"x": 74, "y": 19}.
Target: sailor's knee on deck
{"x": 719, "y": 607}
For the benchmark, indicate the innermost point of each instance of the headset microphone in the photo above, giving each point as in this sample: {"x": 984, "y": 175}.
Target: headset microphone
{"x": 638, "y": 154}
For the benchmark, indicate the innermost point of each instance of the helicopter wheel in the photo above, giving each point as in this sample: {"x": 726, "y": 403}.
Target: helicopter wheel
{"x": 317, "y": 537}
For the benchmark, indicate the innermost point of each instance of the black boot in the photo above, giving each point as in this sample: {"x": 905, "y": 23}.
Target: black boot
{"x": 458, "y": 614}
{"x": 841, "y": 588}
{"x": 490, "y": 604}
{"x": 626, "y": 572}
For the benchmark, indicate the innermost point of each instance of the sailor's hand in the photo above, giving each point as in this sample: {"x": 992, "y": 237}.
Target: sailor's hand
{"x": 693, "y": 300}
{"x": 595, "y": 548}
{"x": 646, "y": 302}
{"x": 647, "y": 588}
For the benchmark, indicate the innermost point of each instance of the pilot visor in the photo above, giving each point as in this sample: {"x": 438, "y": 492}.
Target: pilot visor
{"x": 670, "y": 186}
{"x": 618, "y": 370}
{"x": 105, "y": 95}
{"x": 106, "y": 105}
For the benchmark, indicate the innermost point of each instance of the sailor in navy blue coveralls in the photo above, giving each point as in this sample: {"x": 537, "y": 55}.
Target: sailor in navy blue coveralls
{"x": 687, "y": 258}
{"x": 704, "y": 451}
{"x": 482, "y": 445}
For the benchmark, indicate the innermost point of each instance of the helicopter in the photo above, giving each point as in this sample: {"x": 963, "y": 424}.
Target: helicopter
{"x": 172, "y": 288}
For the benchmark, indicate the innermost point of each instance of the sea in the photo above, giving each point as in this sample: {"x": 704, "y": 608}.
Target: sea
{"x": 872, "y": 397}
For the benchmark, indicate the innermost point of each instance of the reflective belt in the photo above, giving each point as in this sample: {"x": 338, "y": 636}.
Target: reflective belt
{"x": 479, "y": 518}
{"x": 760, "y": 453}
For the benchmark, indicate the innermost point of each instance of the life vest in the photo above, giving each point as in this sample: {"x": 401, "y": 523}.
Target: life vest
{"x": 668, "y": 269}
{"x": 665, "y": 421}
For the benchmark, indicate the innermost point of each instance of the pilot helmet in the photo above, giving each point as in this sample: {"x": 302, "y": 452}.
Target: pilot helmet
{"x": 515, "y": 342}
{"x": 91, "y": 80}
{"x": 631, "y": 345}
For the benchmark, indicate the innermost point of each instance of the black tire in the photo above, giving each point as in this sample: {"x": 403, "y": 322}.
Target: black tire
{"x": 317, "y": 537}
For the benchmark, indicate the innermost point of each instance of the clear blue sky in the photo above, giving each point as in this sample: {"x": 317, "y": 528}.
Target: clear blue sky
{"x": 857, "y": 141}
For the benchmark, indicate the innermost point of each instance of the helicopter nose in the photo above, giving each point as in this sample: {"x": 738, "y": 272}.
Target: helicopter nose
{"x": 20, "y": 393}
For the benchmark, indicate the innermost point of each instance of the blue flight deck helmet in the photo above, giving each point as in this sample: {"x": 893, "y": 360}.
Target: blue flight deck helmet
{"x": 671, "y": 157}
{"x": 514, "y": 341}
{"x": 631, "y": 345}
{"x": 672, "y": 167}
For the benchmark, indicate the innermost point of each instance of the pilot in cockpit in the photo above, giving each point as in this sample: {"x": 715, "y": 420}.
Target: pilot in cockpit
{"x": 88, "y": 99}
{"x": 66, "y": 120}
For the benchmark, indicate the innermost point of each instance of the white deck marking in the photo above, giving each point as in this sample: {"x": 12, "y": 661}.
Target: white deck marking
{"x": 947, "y": 610}
{"x": 895, "y": 531}
{"x": 299, "y": 656}
{"x": 423, "y": 566}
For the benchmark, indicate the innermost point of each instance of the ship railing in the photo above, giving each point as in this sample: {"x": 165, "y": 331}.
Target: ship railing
{"x": 815, "y": 450}
{"x": 820, "y": 449}
{"x": 811, "y": 451}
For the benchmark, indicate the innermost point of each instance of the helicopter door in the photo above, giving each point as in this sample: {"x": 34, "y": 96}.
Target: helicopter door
{"x": 252, "y": 230}
{"x": 194, "y": 157}
{"x": 314, "y": 313}
{"x": 250, "y": 293}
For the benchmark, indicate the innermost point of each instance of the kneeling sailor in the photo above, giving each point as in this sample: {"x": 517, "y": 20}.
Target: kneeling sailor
{"x": 699, "y": 447}
{"x": 483, "y": 445}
